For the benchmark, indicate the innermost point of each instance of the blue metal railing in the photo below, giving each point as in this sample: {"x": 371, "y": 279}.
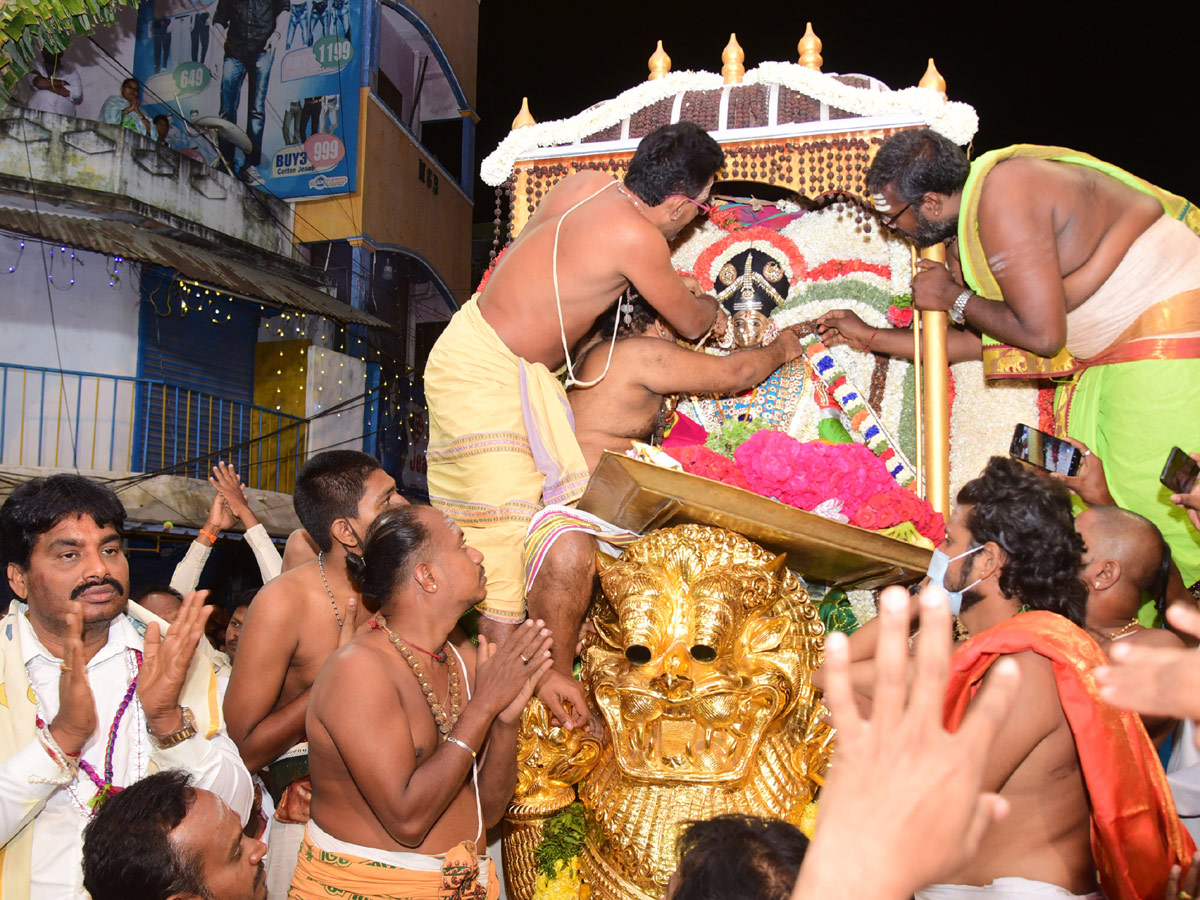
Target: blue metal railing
{"x": 64, "y": 419}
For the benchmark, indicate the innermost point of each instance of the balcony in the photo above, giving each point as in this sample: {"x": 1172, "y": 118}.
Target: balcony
{"x": 53, "y": 419}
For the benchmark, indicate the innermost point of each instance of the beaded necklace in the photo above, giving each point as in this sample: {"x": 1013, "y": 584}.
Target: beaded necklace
{"x": 105, "y": 788}
{"x": 321, "y": 565}
{"x": 445, "y": 722}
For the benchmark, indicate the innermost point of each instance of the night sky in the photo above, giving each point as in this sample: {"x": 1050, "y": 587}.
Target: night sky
{"x": 1121, "y": 88}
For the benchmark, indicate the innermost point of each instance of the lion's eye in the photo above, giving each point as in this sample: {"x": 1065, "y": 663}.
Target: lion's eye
{"x": 638, "y": 654}
{"x": 703, "y": 653}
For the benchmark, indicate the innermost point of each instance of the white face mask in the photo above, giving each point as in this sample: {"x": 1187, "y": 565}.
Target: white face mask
{"x": 937, "y": 575}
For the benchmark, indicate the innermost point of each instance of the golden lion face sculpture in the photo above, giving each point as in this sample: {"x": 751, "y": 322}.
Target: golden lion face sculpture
{"x": 701, "y": 667}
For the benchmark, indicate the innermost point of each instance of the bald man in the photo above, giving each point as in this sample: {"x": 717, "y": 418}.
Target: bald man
{"x": 1125, "y": 559}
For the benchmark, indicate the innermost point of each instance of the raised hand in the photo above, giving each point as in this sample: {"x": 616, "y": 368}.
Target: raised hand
{"x": 902, "y": 808}
{"x": 506, "y": 675}
{"x": 1089, "y": 482}
{"x": 165, "y": 664}
{"x": 1184, "y": 885}
{"x": 228, "y": 486}
{"x": 841, "y": 326}
{"x": 1155, "y": 681}
{"x": 76, "y": 719}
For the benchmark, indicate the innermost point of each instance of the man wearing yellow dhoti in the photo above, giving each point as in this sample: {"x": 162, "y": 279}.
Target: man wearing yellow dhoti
{"x": 502, "y": 440}
{"x": 1073, "y": 269}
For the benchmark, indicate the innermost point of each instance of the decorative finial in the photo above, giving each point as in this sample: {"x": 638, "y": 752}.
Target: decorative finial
{"x": 524, "y": 117}
{"x": 810, "y": 49}
{"x": 660, "y": 63}
{"x": 733, "y": 56}
{"x": 933, "y": 79}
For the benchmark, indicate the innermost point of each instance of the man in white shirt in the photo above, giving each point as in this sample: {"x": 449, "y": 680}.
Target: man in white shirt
{"x": 92, "y": 698}
{"x": 55, "y": 88}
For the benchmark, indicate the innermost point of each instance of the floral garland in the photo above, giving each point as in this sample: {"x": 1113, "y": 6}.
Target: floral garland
{"x": 863, "y": 423}
{"x": 767, "y": 240}
{"x": 954, "y": 120}
{"x": 957, "y": 121}
{"x": 839, "y": 268}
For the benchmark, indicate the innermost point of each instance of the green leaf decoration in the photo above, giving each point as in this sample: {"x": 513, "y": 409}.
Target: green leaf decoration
{"x": 562, "y": 839}
{"x": 30, "y": 26}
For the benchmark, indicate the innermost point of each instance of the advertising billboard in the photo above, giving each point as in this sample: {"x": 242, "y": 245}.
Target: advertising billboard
{"x": 266, "y": 88}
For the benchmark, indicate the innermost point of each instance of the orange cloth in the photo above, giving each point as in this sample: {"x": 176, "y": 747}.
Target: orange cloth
{"x": 321, "y": 875}
{"x": 1136, "y": 833}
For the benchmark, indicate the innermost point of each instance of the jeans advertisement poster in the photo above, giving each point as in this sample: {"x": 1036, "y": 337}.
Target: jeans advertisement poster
{"x": 265, "y": 89}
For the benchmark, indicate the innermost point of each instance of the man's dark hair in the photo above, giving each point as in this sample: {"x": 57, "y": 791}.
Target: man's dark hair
{"x": 36, "y": 506}
{"x": 243, "y": 598}
{"x": 732, "y": 855}
{"x": 1029, "y": 517}
{"x": 389, "y": 549}
{"x": 916, "y": 162}
{"x": 673, "y": 159}
{"x": 127, "y": 848}
{"x": 161, "y": 117}
{"x": 329, "y": 487}
{"x": 143, "y": 592}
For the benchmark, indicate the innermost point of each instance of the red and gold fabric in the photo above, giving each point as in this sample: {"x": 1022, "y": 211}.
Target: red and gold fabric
{"x": 1136, "y": 833}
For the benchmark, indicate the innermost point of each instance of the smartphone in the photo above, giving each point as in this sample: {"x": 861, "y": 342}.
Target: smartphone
{"x": 1180, "y": 472}
{"x": 1044, "y": 451}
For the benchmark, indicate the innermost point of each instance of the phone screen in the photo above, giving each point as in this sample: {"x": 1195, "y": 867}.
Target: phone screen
{"x": 1044, "y": 450}
{"x": 1180, "y": 472}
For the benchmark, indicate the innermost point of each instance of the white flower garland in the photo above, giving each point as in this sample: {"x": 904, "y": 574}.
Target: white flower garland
{"x": 862, "y": 603}
{"x": 982, "y": 421}
{"x": 957, "y": 121}
{"x": 954, "y": 120}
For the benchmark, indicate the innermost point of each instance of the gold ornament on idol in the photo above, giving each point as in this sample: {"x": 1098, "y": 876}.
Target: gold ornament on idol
{"x": 445, "y": 722}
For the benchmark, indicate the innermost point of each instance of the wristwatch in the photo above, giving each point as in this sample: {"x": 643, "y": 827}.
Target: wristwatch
{"x": 176, "y": 737}
{"x": 958, "y": 310}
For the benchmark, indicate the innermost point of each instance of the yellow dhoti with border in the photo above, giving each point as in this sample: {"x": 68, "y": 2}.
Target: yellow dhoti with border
{"x": 501, "y": 446}
{"x": 1128, "y": 377}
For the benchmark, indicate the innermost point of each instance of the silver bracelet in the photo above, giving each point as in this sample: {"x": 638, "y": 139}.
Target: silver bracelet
{"x": 453, "y": 740}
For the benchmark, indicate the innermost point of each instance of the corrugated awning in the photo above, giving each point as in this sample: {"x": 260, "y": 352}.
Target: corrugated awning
{"x": 123, "y": 239}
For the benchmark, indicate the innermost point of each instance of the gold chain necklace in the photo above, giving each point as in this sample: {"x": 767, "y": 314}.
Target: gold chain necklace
{"x": 1124, "y": 631}
{"x": 445, "y": 722}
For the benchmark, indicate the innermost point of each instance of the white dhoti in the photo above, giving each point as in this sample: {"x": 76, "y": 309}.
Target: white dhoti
{"x": 1001, "y": 889}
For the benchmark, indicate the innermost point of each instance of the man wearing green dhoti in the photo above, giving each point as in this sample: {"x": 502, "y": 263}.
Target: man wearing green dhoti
{"x": 1072, "y": 269}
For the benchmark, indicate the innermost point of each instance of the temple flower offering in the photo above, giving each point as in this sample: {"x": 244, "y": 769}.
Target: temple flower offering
{"x": 815, "y": 474}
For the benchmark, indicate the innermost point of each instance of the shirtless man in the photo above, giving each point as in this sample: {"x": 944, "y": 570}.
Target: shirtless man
{"x": 1055, "y": 250}
{"x": 647, "y": 366}
{"x": 291, "y": 628}
{"x": 1011, "y": 545}
{"x": 489, "y": 379}
{"x": 413, "y": 732}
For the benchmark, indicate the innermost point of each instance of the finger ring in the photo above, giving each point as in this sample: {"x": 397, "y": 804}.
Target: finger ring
{"x": 63, "y": 667}
{"x": 1089, "y": 453}
{"x": 523, "y": 659}
{"x": 1184, "y": 895}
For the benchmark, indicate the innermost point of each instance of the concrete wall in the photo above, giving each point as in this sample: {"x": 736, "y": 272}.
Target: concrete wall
{"x": 393, "y": 207}
{"x": 456, "y": 24}
{"x": 54, "y": 420}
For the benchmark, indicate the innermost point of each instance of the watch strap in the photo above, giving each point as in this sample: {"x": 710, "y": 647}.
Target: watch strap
{"x": 958, "y": 311}
{"x": 177, "y": 737}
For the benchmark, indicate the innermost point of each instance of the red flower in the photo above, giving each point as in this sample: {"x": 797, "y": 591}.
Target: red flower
{"x": 900, "y": 316}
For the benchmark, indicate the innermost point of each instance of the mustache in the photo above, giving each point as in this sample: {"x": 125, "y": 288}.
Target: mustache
{"x": 87, "y": 585}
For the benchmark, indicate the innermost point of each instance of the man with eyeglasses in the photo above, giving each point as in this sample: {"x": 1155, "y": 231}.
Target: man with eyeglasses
{"x": 501, "y": 441}
{"x": 1066, "y": 267}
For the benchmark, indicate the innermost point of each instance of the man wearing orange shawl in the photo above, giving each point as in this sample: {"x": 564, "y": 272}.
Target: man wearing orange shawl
{"x": 1088, "y": 798}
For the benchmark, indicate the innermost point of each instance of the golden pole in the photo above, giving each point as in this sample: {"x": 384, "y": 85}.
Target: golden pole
{"x": 936, "y": 373}
{"x": 920, "y": 419}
